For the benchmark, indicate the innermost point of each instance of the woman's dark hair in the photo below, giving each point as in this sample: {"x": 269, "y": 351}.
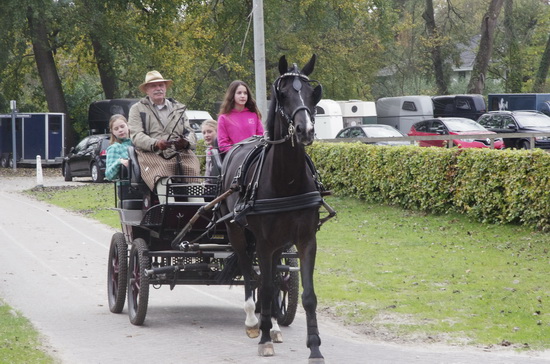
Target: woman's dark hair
{"x": 229, "y": 99}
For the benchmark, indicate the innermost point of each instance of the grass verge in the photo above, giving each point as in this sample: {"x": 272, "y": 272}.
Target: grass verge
{"x": 19, "y": 342}
{"x": 409, "y": 276}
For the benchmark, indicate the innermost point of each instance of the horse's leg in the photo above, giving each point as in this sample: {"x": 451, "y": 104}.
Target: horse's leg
{"x": 265, "y": 346}
{"x": 237, "y": 237}
{"x": 275, "y": 332}
{"x": 307, "y": 252}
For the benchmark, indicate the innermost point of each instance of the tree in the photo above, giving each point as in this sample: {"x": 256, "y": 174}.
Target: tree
{"x": 481, "y": 62}
{"x": 514, "y": 71}
{"x": 542, "y": 72}
{"x": 43, "y": 54}
{"x": 95, "y": 11}
{"x": 435, "y": 48}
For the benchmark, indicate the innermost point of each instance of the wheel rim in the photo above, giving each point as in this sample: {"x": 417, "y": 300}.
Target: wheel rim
{"x": 288, "y": 291}
{"x": 138, "y": 282}
{"x": 134, "y": 283}
{"x": 95, "y": 172}
{"x": 283, "y": 293}
{"x": 115, "y": 271}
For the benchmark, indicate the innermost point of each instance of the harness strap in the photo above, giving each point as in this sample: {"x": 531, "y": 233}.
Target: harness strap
{"x": 290, "y": 203}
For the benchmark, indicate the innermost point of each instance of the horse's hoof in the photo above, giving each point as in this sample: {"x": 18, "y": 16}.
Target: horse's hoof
{"x": 253, "y": 332}
{"x": 276, "y": 336}
{"x": 266, "y": 349}
{"x": 316, "y": 361}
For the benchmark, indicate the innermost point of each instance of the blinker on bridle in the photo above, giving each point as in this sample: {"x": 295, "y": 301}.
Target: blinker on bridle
{"x": 297, "y": 84}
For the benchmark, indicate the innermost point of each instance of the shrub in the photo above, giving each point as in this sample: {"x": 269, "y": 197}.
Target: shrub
{"x": 497, "y": 186}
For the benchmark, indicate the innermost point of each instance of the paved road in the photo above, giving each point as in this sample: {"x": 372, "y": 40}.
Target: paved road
{"x": 53, "y": 268}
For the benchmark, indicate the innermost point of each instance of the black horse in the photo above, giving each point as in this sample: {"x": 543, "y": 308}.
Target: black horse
{"x": 278, "y": 202}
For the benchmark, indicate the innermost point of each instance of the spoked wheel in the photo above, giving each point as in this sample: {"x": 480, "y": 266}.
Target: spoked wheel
{"x": 117, "y": 273}
{"x": 287, "y": 284}
{"x": 138, "y": 282}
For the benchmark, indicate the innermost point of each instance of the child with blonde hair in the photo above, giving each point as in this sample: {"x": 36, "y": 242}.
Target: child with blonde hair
{"x": 117, "y": 153}
{"x": 209, "y": 130}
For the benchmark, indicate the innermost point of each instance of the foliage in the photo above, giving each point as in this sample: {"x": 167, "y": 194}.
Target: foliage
{"x": 204, "y": 45}
{"x": 496, "y": 186}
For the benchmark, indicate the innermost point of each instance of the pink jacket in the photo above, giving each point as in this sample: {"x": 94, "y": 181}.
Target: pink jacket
{"x": 237, "y": 126}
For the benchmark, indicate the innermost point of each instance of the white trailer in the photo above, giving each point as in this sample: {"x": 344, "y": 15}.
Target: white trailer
{"x": 357, "y": 112}
{"x": 329, "y": 120}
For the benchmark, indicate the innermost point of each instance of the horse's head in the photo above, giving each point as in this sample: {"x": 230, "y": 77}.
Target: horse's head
{"x": 295, "y": 100}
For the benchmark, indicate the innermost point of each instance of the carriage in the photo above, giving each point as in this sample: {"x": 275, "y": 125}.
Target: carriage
{"x": 179, "y": 242}
{"x": 249, "y": 226}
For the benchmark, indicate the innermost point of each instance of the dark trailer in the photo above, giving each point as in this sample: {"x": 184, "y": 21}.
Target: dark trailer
{"x": 38, "y": 134}
{"x": 513, "y": 102}
{"x": 101, "y": 111}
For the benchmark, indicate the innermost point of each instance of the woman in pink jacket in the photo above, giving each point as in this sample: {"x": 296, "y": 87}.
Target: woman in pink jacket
{"x": 239, "y": 117}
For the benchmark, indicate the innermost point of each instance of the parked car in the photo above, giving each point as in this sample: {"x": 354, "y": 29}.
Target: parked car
{"x": 518, "y": 122}
{"x": 460, "y": 127}
{"x": 87, "y": 159}
{"x": 373, "y": 131}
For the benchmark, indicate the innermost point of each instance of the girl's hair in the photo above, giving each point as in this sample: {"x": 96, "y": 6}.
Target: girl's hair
{"x": 112, "y": 120}
{"x": 211, "y": 123}
{"x": 229, "y": 99}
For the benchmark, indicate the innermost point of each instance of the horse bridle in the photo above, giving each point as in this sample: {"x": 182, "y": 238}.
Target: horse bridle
{"x": 297, "y": 85}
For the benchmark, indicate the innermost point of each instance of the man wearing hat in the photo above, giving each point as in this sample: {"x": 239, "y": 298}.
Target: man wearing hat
{"x": 161, "y": 133}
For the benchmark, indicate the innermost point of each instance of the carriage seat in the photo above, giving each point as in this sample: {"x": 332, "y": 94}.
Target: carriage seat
{"x": 216, "y": 158}
{"x": 130, "y": 189}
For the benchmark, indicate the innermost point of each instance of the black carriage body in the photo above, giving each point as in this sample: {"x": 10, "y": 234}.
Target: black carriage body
{"x": 182, "y": 241}
{"x": 208, "y": 246}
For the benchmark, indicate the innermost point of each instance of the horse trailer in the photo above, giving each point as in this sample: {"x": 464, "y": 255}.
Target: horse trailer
{"x": 402, "y": 112}
{"x": 36, "y": 134}
{"x": 329, "y": 120}
{"x": 357, "y": 112}
{"x": 470, "y": 106}
{"x": 514, "y": 102}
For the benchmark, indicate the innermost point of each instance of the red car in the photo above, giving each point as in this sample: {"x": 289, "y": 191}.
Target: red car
{"x": 460, "y": 127}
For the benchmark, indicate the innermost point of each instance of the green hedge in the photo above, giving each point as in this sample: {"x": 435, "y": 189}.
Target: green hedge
{"x": 495, "y": 186}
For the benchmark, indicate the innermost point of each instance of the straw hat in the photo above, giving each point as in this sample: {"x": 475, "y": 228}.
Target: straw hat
{"x": 153, "y": 76}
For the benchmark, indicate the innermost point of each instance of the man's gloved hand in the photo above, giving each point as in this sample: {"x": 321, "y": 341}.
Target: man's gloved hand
{"x": 181, "y": 143}
{"x": 162, "y": 144}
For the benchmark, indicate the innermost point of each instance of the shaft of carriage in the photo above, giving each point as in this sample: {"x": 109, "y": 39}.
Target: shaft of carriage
{"x": 177, "y": 242}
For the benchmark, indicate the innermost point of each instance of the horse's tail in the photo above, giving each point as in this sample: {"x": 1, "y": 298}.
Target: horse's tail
{"x": 231, "y": 267}
{"x": 230, "y": 270}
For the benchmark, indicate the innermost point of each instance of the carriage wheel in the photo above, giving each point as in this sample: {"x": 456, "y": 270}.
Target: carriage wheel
{"x": 138, "y": 282}
{"x": 288, "y": 286}
{"x": 117, "y": 273}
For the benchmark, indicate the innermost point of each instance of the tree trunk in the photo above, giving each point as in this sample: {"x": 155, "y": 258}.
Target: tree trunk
{"x": 103, "y": 55}
{"x": 47, "y": 70}
{"x": 514, "y": 72}
{"x": 105, "y": 67}
{"x": 542, "y": 73}
{"x": 435, "y": 48}
{"x": 481, "y": 62}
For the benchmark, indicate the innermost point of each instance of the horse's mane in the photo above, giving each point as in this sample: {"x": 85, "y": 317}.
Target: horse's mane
{"x": 270, "y": 122}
